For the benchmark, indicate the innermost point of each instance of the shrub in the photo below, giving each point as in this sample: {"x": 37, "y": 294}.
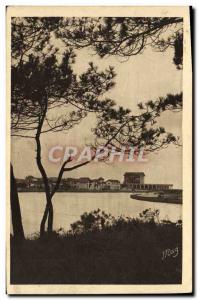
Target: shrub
{"x": 93, "y": 221}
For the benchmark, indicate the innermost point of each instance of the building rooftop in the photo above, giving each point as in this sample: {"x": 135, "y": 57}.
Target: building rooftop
{"x": 70, "y": 179}
{"x": 134, "y": 173}
{"x": 84, "y": 179}
{"x": 113, "y": 181}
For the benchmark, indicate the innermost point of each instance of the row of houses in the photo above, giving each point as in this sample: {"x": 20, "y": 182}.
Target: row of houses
{"x": 133, "y": 181}
{"x": 83, "y": 183}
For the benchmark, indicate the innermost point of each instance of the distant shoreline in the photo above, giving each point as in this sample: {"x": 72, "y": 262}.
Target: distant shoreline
{"x": 79, "y": 191}
{"x": 157, "y": 199}
{"x": 95, "y": 191}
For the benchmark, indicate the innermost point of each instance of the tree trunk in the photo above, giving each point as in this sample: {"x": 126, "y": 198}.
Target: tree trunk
{"x": 43, "y": 221}
{"x": 47, "y": 216}
{"x": 17, "y": 225}
{"x": 50, "y": 218}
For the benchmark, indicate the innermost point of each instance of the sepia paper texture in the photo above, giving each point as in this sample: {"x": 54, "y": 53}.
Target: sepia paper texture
{"x": 167, "y": 168}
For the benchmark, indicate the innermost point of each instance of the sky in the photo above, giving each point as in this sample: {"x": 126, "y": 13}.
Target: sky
{"x": 144, "y": 77}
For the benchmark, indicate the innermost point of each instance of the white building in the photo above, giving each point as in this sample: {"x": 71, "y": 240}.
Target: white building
{"x": 112, "y": 184}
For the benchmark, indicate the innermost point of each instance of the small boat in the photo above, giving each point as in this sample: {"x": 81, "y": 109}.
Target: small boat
{"x": 163, "y": 197}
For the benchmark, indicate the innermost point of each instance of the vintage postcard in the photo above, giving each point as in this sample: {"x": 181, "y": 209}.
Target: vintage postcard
{"x": 99, "y": 150}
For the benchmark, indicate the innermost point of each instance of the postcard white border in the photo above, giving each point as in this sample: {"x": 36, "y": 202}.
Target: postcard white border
{"x": 143, "y": 11}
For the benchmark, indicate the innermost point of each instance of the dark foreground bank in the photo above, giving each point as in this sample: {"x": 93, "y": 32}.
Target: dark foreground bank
{"x": 129, "y": 252}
